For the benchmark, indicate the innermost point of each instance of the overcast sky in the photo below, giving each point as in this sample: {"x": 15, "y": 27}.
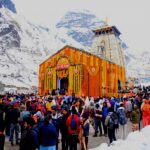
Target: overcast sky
{"x": 132, "y": 17}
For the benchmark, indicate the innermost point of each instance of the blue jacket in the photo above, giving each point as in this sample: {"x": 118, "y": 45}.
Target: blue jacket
{"x": 104, "y": 112}
{"x": 48, "y": 135}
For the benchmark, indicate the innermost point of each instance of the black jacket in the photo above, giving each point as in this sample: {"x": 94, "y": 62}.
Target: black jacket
{"x": 14, "y": 115}
{"x": 2, "y": 120}
{"x": 29, "y": 140}
{"x": 63, "y": 126}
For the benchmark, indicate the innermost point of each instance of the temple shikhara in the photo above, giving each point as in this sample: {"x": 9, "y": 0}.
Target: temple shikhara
{"x": 99, "y": 72}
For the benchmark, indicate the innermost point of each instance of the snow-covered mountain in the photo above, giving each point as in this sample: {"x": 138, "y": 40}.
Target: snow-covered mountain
{"x": 79, "y": 26}
{"x": 23, "y": 45}
{"x": 8, "y": 4}
{"x": 138, "y": 66}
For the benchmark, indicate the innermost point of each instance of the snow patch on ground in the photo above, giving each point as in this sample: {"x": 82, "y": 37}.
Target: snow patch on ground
{"x": 135, "y": 141}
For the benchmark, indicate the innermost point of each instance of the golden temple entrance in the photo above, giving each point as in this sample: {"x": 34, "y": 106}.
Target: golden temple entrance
{"x": 62, "y": 73}
{"x": 63, "y": 83}
{"x": 62, "y": 79}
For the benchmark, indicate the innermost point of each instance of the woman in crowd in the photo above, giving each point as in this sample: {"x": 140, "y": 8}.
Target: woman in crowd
{"x": 85, "y": 127}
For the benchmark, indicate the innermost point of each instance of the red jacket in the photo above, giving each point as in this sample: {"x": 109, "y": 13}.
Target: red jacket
{"x": 68, "y": 123}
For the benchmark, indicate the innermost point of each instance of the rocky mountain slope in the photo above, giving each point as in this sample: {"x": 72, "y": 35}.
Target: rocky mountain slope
{"x": 23, "y": 46}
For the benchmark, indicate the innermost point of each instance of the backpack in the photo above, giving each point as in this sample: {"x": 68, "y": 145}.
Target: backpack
{"x": 73, "y": 124}
{"x": 117, "y": 106}
{"x": 111, "y": 122}
{"x": 116, "y": 121}
{"x": 122, "y": 117}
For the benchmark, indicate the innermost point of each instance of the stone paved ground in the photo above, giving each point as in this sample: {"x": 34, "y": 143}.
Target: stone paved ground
{"x": 93, "y": 141}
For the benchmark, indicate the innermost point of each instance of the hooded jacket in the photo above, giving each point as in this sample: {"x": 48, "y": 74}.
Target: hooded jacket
{"x": 68, "y": 123}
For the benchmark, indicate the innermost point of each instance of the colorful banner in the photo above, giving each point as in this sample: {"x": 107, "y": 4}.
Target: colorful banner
{"x": 62, "y": 63}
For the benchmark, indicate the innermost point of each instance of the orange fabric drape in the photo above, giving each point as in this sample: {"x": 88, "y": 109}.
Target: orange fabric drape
{"x": 92, "y": 70}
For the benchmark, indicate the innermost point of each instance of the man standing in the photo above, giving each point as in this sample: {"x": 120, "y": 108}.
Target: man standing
{"x": 56, "y": 117}
{"x": 49, "y": 104}
{"x": 73, "y": 124}
{"x": 128, "y": 107}
{"x": 29, "y": 139}
{"x": 64, "y": 129}
{"x": 110, "y": 124}
{"x": 2, "y": 136}
{"x": 48, "y": 134}
{"x": 122, "y": 120}
{"x": 97, "y": 120}
{"x": 135, "y": 118}
{"x": 104, "y": 115}
{"x": 14, "y": 125}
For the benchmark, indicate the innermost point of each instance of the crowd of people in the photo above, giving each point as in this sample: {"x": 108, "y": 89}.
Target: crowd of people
{"x": 61, "y": 121}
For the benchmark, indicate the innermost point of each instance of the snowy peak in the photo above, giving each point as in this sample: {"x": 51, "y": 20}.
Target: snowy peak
{"x": 79, "y": 26}
{"x": 129, "y": 57}
{"x": 8, "y": 4}
{"x": 138, "y": 66}
{"x": 17, "y": 32}
{"x": 145, "y": 57}
{"x": 82, "y": 19}
{"x": 8, "y": 33}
